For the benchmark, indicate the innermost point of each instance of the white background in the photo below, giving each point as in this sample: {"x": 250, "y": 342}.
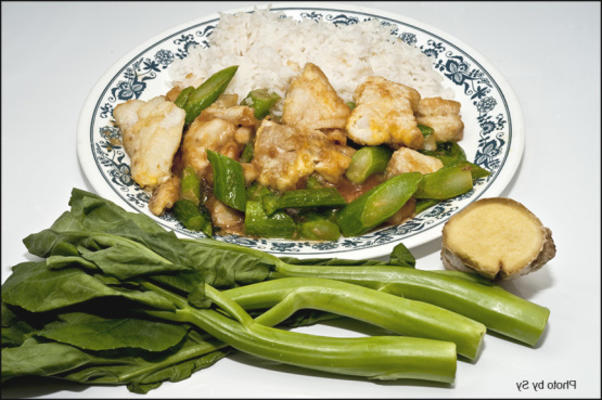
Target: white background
{"x": 53, "y": 54}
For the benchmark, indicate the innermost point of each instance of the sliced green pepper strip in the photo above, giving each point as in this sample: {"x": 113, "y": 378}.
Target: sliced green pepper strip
{"x": 183, "y": 97}
{"x": 228, "y": 180}
{"x": 313, "y": 183}
{"x": 319, "y": 229}
{"x": 204, "y": 95}
{"x": 445, "y": 183}
{"x": 423, "y": 204}
{"x": 323, "y": 197}
{"x": 367, "y": 161}
{"x": 476, "y": 171}
{"x": 190, "y": 186}
{"x": 351, "y": 105}
{"x": 256, "y": 191}
{"x": 258, "y": 223}
{"x": 248, "y": 152}
{"x": 425, "y": 130}
{"x": 261, "y": 101}
{"x": 378, "y": 204}
{"x": 191, "y": 217}
{"x": 448, "y": 152}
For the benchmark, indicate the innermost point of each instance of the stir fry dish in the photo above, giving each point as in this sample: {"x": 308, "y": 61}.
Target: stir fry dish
{"x": 317, "y": 169}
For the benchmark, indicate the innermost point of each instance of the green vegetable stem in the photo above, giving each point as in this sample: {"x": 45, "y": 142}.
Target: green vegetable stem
{"x": 376, "y": 357}
{"x": 367, "y": 161}
{"x": 301, "y": 198}
{"x": 228, "y": 180}
{"x": 261, "y": 100}
{"x": 319, "y": 228}
{"x": 499, "y": 310}
{"x": 258, "y": 223}
{"x": 425, "y": 130}
{"x": 378, "y": 204}
{"x": 248, "y": 152}
{"x": 450, "y": 153}
{"x": 196, "y": 100}
{"x": 445, "y": 183}
{"x": 183, "y": 96}
{"x": 406, "y": 317}
{"x": 191, "y": 216}
{"x": 190, "y": 186}
{"x": 423, "y": 204}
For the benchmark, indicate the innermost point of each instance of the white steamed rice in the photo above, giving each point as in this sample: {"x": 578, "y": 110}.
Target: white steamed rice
{"x": 271, "y": 50}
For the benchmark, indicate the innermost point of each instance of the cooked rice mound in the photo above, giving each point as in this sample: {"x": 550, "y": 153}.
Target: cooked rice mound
{"x": 271, "y": 49}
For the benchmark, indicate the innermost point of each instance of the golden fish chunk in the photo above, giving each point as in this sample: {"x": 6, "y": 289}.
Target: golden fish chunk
{"x": 312, "y": 103}
{"x": 384, "y": 114}
{"x": 151, "y": 132}
{"x": 407, "y": 160}
{"x": 443, "y": 116}
{"x": 284, "y": 155}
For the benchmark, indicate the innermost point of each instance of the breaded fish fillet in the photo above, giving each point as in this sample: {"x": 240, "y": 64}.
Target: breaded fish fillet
{"x": 217, "y": 128}
{"x": 407, "y": 160}
{"x": 443, "y": 116}
{"x": 217, "y": 135}
{"x": 312, "y": 103}
{"x": 285, "y": 154}
{"x": 384, "y": 114}
{"x": 151, "y": 136}
{"x": 165, "y": 195}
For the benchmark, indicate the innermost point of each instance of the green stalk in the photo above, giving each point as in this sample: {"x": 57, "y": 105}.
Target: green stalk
{"x": 377, "y": 357}
{"x": 204, "y": 95}
{"x": 367, "y": 161}
{"x": 491, "y": 305}
{"x": 406, "y": 317}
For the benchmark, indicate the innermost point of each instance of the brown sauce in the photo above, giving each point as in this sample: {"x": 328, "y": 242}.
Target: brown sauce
{"x": 351, "y": 191}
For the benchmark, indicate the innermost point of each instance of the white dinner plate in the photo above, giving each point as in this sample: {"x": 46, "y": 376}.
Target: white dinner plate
{"x": 493, "y": 133}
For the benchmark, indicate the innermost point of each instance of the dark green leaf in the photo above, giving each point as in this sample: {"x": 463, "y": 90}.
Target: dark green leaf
{"x": 33, "y": 287}
{"x": 91, "y": 332}
{"x": 47, "y": 359}
{"x": 197, "y": 297}
{"x": 14, "y": 329}
{"x": 402, "y": 256}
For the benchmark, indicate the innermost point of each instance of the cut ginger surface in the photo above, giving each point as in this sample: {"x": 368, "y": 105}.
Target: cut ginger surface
{"x": 499, "y": 238}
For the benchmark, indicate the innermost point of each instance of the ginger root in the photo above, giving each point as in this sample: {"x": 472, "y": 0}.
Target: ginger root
{"x": 498, "y": 238}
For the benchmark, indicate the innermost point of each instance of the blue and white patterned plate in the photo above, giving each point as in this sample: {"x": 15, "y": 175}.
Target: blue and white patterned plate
{"x": 493, "y": 134}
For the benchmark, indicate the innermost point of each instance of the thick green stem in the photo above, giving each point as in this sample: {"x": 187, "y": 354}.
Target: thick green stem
{"x": 491, "y": 305}
{"x": 399, "y": 315}
{"x": 378, "y": 357}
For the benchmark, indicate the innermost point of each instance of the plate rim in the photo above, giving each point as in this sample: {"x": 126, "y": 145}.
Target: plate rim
{"x": 502, "y": 180}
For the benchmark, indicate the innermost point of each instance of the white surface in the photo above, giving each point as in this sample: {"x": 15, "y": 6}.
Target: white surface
{"x": 431, "y": 229}
{"x": 53, "y": 53}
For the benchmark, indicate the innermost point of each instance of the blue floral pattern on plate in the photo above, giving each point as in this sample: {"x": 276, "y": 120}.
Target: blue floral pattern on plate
{"x": 471, "y": 80}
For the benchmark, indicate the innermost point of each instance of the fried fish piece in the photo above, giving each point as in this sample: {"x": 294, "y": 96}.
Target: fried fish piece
{"x": 224, "y": 217}
{"x": 165, "y": 195}
{"x": 217, "y": 135}
{"x": 151, "y": 131}
{"x": 226, "y": 107}
{"x": 407, "y": 160}
{"x": 443, "y": 116}
{"x": 312, "y": 103}
{"x": 384, "y": 114}
{"x": 285, "y": 154}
